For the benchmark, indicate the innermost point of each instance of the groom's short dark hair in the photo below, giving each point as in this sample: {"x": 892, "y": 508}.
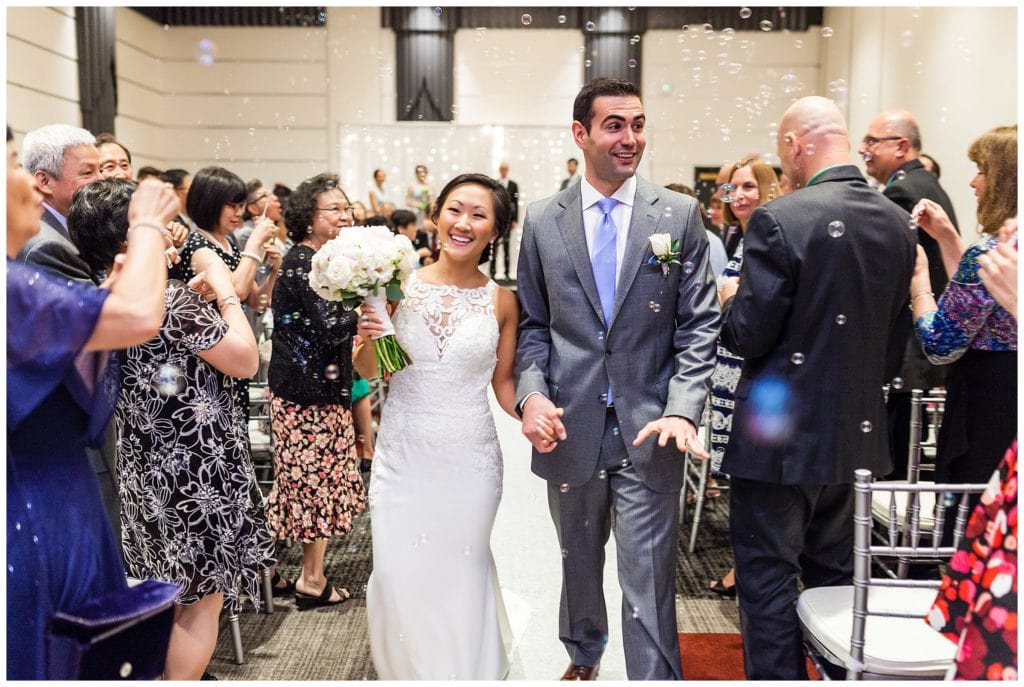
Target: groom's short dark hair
{"x": 583, "y": 106}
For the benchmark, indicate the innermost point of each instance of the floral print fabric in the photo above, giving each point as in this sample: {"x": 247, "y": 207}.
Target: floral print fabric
{"x": 318, "y": 490}
{"x": 724, "y": 380}
{"x": 191, "y": 509}
{"x": 978, "y": 598}
{"x": 968, "y": 316}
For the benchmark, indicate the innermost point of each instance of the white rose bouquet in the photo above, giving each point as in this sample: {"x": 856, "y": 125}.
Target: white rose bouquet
{"x": 367, "y": 265}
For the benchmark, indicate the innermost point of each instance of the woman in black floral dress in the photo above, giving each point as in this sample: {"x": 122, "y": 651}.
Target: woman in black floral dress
{"x": 318, "y": 489}
{"x": 191, "y": 511}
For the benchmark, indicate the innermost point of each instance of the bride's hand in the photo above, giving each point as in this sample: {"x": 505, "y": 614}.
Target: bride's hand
{"x": 370, "y": 324}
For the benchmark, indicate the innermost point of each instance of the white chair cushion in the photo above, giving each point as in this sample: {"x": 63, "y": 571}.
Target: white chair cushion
{"x": 926, "y": 500}
{"x": 905, "y": 647}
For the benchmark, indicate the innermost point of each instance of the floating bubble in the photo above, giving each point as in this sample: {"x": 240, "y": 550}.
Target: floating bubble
{"x": 437, "y": 11}
{"x": 766, "y": 25}
{"x": 665, "y": 88}
{"x": 602, "y": 474}
{"x": 625, "y": 462}
{"x": 809, "y": 149}
{"x": 631, "y": 63}
{"x": 836, "y": 229}
{"x": 826, "y": 32}
{"x": 401, "y": 637}
{"x": 745, "y": 13}
{"x": 526, "y": 19}
{"x": 728, "y": 33}
{"x": 289, "y": 273}
{"x": 708, "y": 28}
{"x": 897, "y": 383}
{"x": 564, "y": 488}
{"x": 169, "y": 380}
{"x": 907, "y": 38}
{"x": 687, "y": 267}
{"x": 591, "y": 26}
{"x": 332, "y": 371}
{"x": 797, "y": 358}
{"x": 565, "y": 553}
{"x": 467, "y": 551}
{"x": 561, "y": 19}
{"x": 900, "y": 175}
{"x": 206, "y": 59}
{"x": 866, "y": 426}
{"x": 587, "y": 62}
{"x": 636, "y": 612}
{"x": 798, "y": 43}
{"x": 840, "y": 319}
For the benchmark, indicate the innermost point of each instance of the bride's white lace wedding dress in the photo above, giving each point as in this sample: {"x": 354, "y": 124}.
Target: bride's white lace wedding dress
{"x": 433, "y": 603}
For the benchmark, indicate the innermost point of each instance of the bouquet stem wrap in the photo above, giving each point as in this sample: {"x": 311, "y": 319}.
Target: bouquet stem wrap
{"x": 389, "y": 353}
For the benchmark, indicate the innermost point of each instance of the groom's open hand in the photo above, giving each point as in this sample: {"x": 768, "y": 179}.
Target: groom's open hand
{"x": 679, "y": 428}
{"x": 542, "y": 423}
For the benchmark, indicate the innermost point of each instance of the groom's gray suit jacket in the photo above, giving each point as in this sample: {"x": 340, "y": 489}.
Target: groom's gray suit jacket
{"x": 658, "y": 352}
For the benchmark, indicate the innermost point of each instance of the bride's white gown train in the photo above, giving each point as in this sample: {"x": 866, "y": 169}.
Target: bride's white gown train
{"x": 433, "y": 602}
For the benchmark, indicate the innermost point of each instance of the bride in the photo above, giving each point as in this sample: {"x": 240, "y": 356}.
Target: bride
{"x": 433, "y": 602}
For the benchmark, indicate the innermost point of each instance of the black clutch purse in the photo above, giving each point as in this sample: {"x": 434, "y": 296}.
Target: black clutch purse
{"x": 119, "y": 636}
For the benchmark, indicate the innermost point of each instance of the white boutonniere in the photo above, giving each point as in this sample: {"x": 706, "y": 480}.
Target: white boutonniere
{"x": 666, "y": 252}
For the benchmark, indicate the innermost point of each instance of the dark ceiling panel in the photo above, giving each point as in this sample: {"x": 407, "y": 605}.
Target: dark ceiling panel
{"x": 236, "y": 16}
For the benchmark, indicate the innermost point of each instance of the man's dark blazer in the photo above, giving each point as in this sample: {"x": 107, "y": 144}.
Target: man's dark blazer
{"x": 53, "y": 250}
{"x": 833, "y": 301}
{"x": 905, "y": 353}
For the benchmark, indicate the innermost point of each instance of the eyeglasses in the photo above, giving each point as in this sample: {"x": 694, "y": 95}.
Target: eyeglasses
{"x": 258, "y": 198}
{"x": 337, "y": 211}
{"x": 871, "y": 141}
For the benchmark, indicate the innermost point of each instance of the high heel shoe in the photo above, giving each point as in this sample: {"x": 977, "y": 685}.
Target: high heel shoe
{"x": 304, "y": 602}
{"x": 718, "y": 587}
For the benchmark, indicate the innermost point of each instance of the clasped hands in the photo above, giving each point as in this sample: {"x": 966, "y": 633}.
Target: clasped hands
{"x": 542, "y": 425}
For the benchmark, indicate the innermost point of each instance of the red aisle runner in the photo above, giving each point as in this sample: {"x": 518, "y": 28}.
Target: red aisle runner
{"x": 716, "y": 656}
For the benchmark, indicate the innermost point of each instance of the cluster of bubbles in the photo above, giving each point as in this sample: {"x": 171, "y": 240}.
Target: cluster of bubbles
{"x": 655, "y": 307}
{"x": 206, "y": 52}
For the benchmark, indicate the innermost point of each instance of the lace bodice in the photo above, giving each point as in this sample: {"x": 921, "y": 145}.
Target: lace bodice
{"x": 437, "y": 408}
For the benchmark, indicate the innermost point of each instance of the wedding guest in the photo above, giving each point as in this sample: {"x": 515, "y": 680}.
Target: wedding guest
{"x": 967, "y": 329}
{"x": 192, "y": 512}
{"x": 317, "y": 490}
{"x": 61, "y": 552}
{"x": 436, "y": 480}
{"x": 115, "y": 160}
{"x": 181, "y": 180}
{"x": 825, "y": 273}
{"x": 418, "y": 194}
{"x": 755, "y": 183}
{"x": 931, "y": 165}
{"x": 718, "y": 257}
{"x": 359, "y": 212}
{"x": 216, "y": 201}
{"x": 999, "y": 268}
{"x": 147, "y": 172}
{"x": 379, "y": 196}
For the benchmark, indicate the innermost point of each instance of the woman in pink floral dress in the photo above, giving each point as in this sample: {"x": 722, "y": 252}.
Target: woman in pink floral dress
{"x": 318, "y": 490}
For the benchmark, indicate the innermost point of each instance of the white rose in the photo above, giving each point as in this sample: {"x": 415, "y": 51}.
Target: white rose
{"x": 661, "y": 244}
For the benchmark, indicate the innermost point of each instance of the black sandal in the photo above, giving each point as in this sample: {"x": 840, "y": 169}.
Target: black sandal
{"x": 718, "y": 587}
{"x": 304, "y": 602}
{"x": 286, "y": 590}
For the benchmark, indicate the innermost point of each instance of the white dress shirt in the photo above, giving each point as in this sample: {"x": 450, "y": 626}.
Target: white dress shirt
{"x": 621, "y": 214}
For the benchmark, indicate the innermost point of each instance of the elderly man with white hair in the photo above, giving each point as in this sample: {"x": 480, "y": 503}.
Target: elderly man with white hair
{"x": 61, "y": 159}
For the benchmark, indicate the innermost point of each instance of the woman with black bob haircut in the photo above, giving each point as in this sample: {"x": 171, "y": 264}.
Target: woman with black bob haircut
{"x": 317, "y": 490}
{"x": 459, "y": 328}
{"x": 169, "y": 451}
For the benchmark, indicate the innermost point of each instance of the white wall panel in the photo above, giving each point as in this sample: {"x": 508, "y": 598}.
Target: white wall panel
{"x": 250, "y": 78}
{"x": 48, "y": 27}
{"x": 38, "y": 68}
{"x": 30, "y": 109}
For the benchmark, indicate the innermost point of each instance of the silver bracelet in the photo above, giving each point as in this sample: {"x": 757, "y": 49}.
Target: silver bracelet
{"x": 248, "y": 254}
{"x": 221, "y": 302}
{"x": 152, "y": 225}
{"x": 915, "y": 297}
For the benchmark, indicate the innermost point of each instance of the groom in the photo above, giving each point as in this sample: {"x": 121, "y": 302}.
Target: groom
{"x": 614, "y": 347}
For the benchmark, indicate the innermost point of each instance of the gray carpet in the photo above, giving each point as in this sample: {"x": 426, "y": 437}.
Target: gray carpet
{"x": 331, "y": 643}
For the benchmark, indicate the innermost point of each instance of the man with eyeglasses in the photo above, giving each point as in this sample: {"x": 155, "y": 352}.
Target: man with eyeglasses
{"x": 892, "y": 150}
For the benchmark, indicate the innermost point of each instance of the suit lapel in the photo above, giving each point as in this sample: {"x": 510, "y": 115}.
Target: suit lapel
{"x": 570, "y": 225}
{"x": 643, "y": 223}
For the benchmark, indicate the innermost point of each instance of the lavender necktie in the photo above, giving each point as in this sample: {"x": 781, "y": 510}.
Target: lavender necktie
{"x": 603, "y": 262}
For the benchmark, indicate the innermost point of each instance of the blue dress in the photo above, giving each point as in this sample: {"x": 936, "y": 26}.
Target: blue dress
{"x": 61, "y": 551}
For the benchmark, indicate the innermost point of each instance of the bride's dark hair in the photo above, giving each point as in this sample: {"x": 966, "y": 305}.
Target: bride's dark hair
{"x": 499, "y": 197}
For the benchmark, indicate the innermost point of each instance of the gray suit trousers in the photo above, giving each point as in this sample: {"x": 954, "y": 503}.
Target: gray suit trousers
{"x": 646, "y": 537}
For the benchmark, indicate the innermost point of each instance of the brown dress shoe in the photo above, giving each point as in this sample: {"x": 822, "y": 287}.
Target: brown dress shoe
{"x": 575, "y": 672}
